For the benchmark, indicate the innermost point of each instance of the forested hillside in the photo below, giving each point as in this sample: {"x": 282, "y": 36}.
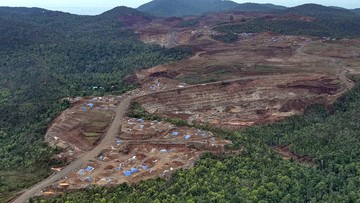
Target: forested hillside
{"x": 258, "y": 7}
{"x": 46, "y": 56}
{"x": 357, "y": 11}
{"x": 325, "y": 22}
{"x": 169, "y": 8}
{"x": 184, "y": 8}
{"x": 319, "y": 12}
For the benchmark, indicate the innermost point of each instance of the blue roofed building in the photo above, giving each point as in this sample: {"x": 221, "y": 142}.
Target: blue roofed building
{"x": 89, "y": 168}
{"x": 134, "y": 170}
{"x": 127, "y": 173}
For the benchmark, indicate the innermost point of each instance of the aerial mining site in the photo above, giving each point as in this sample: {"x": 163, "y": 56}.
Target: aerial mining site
{"x": 259, "y": 79}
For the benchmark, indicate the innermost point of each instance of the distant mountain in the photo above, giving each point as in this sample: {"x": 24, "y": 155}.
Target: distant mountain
{"x": 258, "y": 7}
{"x": 22, "y": 10}
{"x": 26, "y": 26}
{"x": 357, "y": 11}
{"x": 123, "y": 11}
{"x": 171, "y": 8}
{"x": 40, "y": 25}
{"x": 126, "y": 16}
{"x": 320, "y": 12}
{"x": 38, "y": 16}
{"x": 308, "y": 19}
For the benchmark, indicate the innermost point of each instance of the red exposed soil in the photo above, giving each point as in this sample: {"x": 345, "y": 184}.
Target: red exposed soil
{"x": 177, "y": 163}
{"x": 286, "y": 153}
{"x": 235, "y": 104}
{"x": 297, "y": 104}
{"x": 80, "y": 127}
{"x": 110, "y": 167}
{"x": 150, "y": 160}
{"x": 324, "y": 85}
{"x": 141, "y": 156}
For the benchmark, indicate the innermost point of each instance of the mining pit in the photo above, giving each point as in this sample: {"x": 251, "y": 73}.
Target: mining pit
{"x": 244, "y": 102}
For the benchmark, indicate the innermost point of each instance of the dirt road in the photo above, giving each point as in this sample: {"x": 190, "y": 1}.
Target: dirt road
{"x": 108, "y": 139}
{"x": 341, "y": 71}
{"x": 172, "y": 39}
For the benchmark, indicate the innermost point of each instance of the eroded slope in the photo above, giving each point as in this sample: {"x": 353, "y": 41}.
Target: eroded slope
{"x": 244, "y": 102}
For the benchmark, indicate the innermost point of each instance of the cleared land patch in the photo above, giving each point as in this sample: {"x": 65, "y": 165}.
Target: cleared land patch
{"x": 143, "y": 150}
{"x": 246, "y": 102}
{"x": 79, "y": 128}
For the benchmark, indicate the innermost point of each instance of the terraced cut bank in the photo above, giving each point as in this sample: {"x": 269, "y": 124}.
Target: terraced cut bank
{"x": 245, "y": 102}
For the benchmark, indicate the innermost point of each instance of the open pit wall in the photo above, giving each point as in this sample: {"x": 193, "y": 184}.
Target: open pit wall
{"x": 235, "y": 104}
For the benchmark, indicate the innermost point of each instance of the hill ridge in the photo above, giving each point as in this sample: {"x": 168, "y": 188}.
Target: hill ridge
{"x": 176, "y": 8}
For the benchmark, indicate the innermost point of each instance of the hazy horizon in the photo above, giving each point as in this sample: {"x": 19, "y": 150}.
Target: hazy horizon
{"x": 92, "y": 7}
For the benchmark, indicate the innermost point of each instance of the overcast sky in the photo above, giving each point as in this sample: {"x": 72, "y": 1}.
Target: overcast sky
{"x": 93, "y": 7}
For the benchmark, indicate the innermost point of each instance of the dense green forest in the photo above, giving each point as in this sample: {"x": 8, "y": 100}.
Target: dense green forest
{"x": 357, "y": 11}
{"x": 226, "y": 38}
{"x": 171, "y": 8}
{"x": 328, "y": 22}
{"x": 46, "y": 56}
{"x": 259, "y": 174}
{"x": 319, "y": 12}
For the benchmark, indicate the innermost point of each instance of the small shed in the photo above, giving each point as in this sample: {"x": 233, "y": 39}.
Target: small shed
{"x": 203, "y": 135}
{"x": 88, "y": 179}
{"x": 81, "y": 172}
{"x": 134, "y": 170}
{"x": 89, "y": 168}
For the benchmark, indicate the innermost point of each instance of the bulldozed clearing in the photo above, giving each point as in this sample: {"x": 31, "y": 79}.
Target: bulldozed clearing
{"x": 245, "y": 102}
{"x": 143, "y": 150}
{"x": 80, "y": 127}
